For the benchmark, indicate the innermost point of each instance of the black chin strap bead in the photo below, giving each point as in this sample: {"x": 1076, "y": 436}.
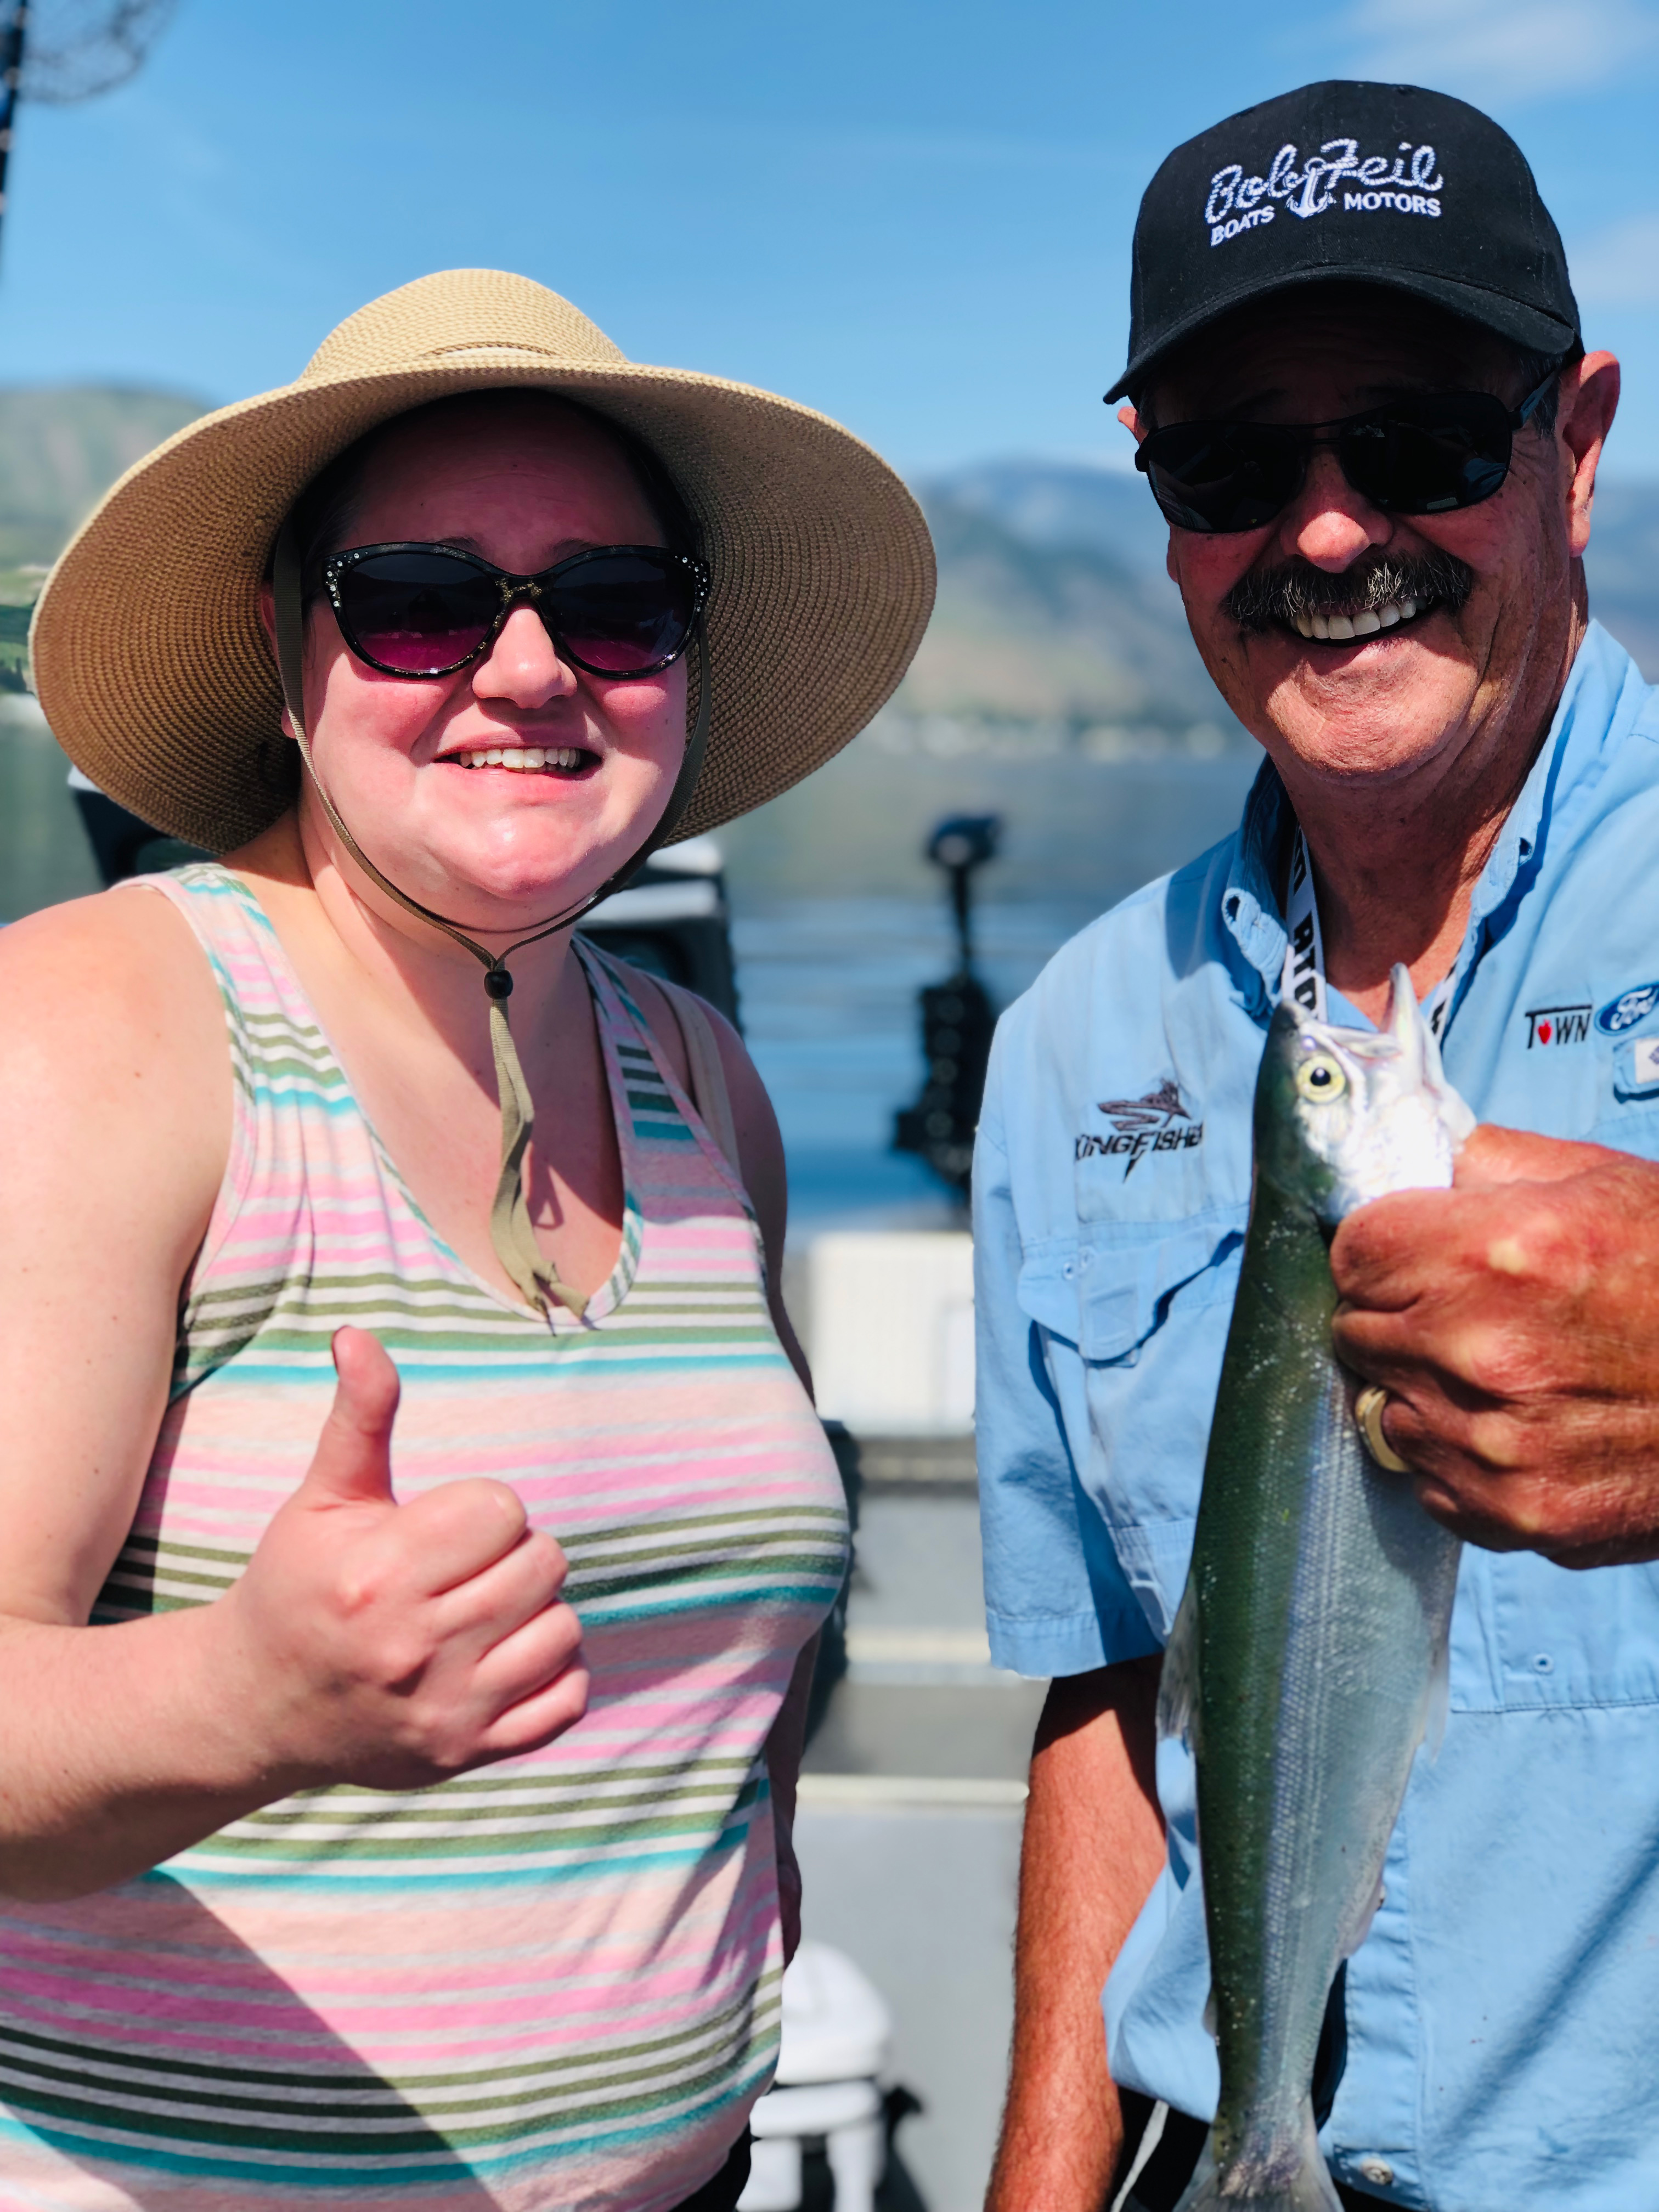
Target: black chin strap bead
{"x": 498, "y": 983}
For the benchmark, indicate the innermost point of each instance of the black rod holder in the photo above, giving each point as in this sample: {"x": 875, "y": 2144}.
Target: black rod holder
{"x": 958, "y": 1017}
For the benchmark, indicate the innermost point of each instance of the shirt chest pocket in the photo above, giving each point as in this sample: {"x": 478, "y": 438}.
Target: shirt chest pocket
{"x": 1137, "y": 1325}
{"x": 1108, "y": 1294}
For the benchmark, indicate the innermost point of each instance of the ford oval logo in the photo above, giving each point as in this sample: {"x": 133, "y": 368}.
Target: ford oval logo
{"x": 1627, "y": 1009}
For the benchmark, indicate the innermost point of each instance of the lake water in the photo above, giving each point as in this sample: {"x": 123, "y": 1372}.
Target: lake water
{"x": 827, "y": 984}
{"x": 828, "y": 990}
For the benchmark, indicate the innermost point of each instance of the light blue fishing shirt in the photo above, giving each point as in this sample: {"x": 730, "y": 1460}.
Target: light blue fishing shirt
{"x": 1503, "y": 2013}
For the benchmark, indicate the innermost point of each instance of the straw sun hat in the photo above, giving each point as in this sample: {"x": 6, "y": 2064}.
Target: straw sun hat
{"x": 157, "y": 678}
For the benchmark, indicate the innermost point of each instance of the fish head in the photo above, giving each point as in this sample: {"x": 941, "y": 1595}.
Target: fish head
{"x": 1345, "y": 1116}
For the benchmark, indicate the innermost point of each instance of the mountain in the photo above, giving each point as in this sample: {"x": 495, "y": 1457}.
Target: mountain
{"x": 1054, "y": 608}
{"x": 1083, "y": 631}
{"x": 1065, "y": 511}
{"x": 61, "y": 448}
{"x": 1622, "y": 568}
{"x": 1065, "y": 504}
{"x": 1058, "y": 685}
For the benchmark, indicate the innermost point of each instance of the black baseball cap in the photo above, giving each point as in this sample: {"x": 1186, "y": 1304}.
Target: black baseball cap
{"x": 1373, "y": 184}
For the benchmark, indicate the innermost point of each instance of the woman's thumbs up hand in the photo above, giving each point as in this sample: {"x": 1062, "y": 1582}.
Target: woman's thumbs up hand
{"x": 391, "y": 1645}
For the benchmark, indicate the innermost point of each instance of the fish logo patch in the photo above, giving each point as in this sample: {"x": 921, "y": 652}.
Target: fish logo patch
{"x": 1629, "y": 1007}
{"x": 1547, "y": 1025}
{"x": 1155, "y": 1122}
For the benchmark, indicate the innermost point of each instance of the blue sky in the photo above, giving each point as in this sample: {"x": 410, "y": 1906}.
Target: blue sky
{"x": 914, "y": 214}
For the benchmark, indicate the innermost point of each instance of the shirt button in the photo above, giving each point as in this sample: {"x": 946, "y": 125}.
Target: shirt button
{"x": 1543, "y": 1663}
{"x": 1377, "y": 2170}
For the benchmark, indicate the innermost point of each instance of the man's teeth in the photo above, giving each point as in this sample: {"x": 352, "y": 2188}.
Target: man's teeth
{"x": 523, "y": 756}
{"x": 1343, "y": 627}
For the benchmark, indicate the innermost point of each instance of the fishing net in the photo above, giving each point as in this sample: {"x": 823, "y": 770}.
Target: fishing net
{"x": 76, "y": 48}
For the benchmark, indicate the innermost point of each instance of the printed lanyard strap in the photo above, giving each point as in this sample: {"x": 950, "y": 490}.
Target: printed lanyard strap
{"x": 1303, "y": 979}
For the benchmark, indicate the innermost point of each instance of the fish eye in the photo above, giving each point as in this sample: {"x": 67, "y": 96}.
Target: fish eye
{"x": 1321, "y": 1078}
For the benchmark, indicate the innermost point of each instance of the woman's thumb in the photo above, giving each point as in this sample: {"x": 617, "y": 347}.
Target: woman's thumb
{"x": 353, "y": 1459}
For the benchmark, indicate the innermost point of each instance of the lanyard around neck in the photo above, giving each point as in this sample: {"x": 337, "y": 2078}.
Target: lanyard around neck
{"x": 1303, "y": 978}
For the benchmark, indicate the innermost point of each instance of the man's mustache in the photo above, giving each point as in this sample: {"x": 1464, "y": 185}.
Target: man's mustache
{"x": 1271, "y": 598}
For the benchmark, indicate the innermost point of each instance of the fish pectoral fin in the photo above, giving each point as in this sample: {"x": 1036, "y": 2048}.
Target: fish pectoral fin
{"x": 1177, "y": 1688}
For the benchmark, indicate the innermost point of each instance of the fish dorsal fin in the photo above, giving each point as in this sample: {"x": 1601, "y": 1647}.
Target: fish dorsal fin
{"x": 1177, "y": 1689}
{"x": 1406, "y": 1026}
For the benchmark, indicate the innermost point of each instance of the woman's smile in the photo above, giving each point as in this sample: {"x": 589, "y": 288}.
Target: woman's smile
{"x": 566, "y": 763}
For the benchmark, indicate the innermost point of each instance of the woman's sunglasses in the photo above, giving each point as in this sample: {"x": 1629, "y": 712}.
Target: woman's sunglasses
{"x": 1423, "y": 454}
{"x": 624, "y": 612}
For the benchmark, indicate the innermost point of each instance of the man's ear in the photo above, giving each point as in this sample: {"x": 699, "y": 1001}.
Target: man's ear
{"x": 1138, "y": 428}
{"x": 1584, "y": 413}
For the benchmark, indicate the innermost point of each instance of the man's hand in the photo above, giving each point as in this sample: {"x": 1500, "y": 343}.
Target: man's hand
{"x": 1514, "y": 1321}
{"x": 393, "y": 1645}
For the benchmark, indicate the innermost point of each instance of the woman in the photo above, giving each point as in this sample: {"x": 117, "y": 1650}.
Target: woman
{"x": 410, "y": 1825}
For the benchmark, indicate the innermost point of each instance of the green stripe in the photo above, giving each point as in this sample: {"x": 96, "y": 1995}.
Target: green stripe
{"x": 656, "y": 2050}
{"x": 190, "y": 2126}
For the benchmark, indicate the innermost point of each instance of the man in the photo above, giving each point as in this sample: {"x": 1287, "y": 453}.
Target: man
{"x": 1357, "y": 379}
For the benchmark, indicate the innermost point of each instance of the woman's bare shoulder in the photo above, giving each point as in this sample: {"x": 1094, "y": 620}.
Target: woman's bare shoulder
{"x": 114, "y": 1032}
{"x": 115, "y": 1122}
{"x": 127, "y": 956}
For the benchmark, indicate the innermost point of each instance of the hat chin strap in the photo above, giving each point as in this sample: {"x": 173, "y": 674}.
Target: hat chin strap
{"x": 510, "y": 1228}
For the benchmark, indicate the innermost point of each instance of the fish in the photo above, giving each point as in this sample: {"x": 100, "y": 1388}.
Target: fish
{"x": 1308, "y": 1660}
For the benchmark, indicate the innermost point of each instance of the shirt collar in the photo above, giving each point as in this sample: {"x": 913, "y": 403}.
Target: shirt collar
{"x": 1603, "y": 694}
{"x": 1251, "y": 906}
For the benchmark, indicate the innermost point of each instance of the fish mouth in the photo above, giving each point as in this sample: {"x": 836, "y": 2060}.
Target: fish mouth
{"x": 567, "y": 762}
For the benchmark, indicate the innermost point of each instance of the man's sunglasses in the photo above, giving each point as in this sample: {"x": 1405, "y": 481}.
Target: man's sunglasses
{"x": 1423, "y": 454}
{"x": 624, "y": 612}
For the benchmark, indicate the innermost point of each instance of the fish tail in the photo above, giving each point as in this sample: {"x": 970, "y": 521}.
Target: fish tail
{"x": 1308, "y": 2189}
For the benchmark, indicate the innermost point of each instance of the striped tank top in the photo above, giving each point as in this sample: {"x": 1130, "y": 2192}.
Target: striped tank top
{"x": 552, "y": 1983}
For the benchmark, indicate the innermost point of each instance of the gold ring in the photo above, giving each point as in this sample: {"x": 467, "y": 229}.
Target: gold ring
{"x": 1368, "y": 1419}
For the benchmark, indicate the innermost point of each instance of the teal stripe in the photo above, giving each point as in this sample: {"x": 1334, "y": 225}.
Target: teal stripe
{"x": 756, "y": 2072}
{"x": 309, "y": 1876}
